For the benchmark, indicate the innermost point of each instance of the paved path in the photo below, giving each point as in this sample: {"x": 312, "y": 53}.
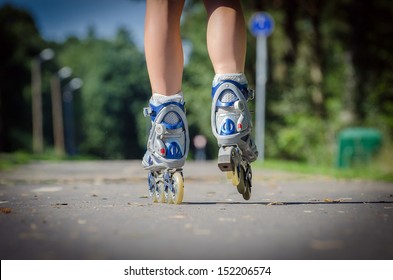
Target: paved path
{"x": 99, "y": 210}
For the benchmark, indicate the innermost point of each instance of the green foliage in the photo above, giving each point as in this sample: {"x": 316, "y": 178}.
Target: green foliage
{"x": 115, "y": 90}
{"x": 326, "y": 73}
{"x": 7, "y": 161}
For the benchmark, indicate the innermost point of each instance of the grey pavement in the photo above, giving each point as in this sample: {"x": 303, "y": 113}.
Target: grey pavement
{"x": 100, "y": 210}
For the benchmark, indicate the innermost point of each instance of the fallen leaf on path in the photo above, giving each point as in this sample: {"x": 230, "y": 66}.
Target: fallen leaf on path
{"x": 327, "y": 244}
{"x": 5, "y": 210}
{"x": 275, "y": 203}
{"x": 329, "y": 200}
{"x": 134, "y": 203}
{"x": 177, "y": 217}
{"x": 47, "y": 189}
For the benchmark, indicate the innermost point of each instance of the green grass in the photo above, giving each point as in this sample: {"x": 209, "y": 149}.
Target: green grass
{"x": 380, "y": 168}
{"x": 11, "y": 160}
{"x": 8, "y": 161}
{"x": 373, "y": 171}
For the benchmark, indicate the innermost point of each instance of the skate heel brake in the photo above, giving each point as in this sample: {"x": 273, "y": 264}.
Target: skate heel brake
{"x": 226, "y": 158}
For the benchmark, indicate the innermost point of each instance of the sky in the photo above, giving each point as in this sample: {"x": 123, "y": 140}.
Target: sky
{"x": 58, "y": 19}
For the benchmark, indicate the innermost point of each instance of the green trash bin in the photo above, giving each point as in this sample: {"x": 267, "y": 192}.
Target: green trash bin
{"x": 357, "y": 146}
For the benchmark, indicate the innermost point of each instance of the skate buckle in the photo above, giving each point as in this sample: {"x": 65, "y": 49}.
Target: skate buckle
{"x": 251, "y": 94}
{"x": 147, "y": 111}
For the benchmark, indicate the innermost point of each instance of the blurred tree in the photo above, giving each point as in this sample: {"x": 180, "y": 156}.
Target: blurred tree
{"x": 371, "y": 46}
{"x": 115, "y": 90}
{"x": 20, "y": 41}
{"x": 330, "y": 67}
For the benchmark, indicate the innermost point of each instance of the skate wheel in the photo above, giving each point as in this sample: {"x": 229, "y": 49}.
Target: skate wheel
{"x": 247, "y": 185}
{"x": 241, "y": 182}
{"x": 167, "y": 185}
{"x": 177, "y": 191}
{"x": 152, "y": 187}
{"x": 169, "y": 197}
{"x": 230, "y": 175}
{"x": 160, "y": 192}
{"x": 247, "y": 190}
{"x": 236, "y": 175}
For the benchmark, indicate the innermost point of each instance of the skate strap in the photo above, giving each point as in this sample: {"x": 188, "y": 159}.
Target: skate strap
{"x": 247, "y": 92}
{"x": 153, "y": 111}
{"x": 147, "y": 111}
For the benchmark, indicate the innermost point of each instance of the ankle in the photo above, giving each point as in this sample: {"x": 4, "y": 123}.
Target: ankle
{"x": 237, "y": 77}
{"x": 157, "y": 98}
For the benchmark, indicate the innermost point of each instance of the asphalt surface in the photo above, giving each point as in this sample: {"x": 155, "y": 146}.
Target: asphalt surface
{"x": 100, "y": 210}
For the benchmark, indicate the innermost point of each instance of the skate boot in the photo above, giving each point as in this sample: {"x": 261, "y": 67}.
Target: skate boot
{"x": 167, "y": 148}
{"x": 232, "y": 126}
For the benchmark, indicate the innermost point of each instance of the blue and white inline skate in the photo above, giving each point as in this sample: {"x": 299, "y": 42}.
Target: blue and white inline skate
{"x": 167, "y": 148}
{"x": 232, "y": 126}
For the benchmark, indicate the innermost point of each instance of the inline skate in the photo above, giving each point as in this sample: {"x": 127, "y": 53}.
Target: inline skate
{"x": 232, "y": 126}
{"x": 167, "y": 148}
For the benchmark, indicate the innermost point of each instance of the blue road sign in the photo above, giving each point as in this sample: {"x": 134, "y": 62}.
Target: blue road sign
{"x": 261, "y": 24}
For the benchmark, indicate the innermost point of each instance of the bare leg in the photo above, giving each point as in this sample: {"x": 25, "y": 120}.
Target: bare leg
{"x": 168, "y": 141}
{"x": 230, "y": 117}
{"x": 226, "y": 35}
{"x": 163, "y": 48}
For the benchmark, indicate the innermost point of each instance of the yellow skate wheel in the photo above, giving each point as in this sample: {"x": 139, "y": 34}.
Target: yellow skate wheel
{"x": 169, "y": 197}
{"x": 247, "y": 192}
{"x": 152, "y": 187}
{"x": 160, "y": 194}
{"x": 241, "y": 187}
{"x": 178, "y": 186}
{"x": 235, "y": 177}
{"x": 153, "y": 196}
{"x": 229, "y": 175}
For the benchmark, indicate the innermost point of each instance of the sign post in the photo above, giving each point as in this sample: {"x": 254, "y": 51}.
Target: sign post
{"x": 261, "y": 26}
